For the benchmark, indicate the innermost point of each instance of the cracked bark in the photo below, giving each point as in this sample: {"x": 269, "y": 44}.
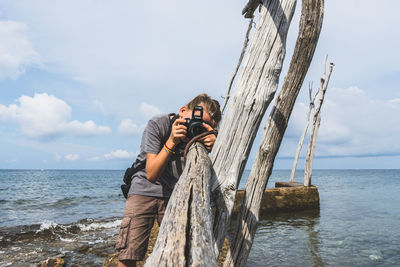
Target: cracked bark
{"x": 185, "y": 236}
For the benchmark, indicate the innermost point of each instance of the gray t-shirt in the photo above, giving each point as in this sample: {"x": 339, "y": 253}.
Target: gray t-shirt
{"x": 154, "y": 137}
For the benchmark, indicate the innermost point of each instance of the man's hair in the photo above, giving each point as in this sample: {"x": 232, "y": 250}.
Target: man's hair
{"x": 210, "y": 105}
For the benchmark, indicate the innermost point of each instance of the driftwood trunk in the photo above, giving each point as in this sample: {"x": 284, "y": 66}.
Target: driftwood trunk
{"x": 303, "y": 135}
{"x": 315, "y": 126}
{"x": 310, "y": 27}
{"x": 185, "y": 236}
{"x": 255, "y": 89}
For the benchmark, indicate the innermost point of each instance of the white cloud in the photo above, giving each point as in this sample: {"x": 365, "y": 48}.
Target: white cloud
{"x": 72, "y": 157}
{"x": 353, "y": 124}
{"x": 119, "y": 154}
{"x": 44, "y": 116}
{"x": 127, "y": 128}
{"x": 88, "y": 128}
{"x": 148, "y": 110}
{"x": 16, "y": 50}
{"x": 97, "y": 45}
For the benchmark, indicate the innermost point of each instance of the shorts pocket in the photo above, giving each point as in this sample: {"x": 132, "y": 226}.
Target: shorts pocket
{"x": 123, "y": 233}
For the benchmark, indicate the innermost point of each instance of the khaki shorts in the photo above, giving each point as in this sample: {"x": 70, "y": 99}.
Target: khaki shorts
{"x": 140, "y": 212}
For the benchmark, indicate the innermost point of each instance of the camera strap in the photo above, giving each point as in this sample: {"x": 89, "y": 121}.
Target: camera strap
{"x": 196, "y": 139}
{"x": 171, "y": 121}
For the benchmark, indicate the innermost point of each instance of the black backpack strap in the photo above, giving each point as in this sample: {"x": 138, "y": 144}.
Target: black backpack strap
{"x": 136, "y": 166}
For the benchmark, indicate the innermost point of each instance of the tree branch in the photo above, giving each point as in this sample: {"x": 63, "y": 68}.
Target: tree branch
{"x": 250, "y": 8}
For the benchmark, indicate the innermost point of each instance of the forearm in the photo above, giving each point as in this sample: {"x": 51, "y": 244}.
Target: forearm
{"x": 156, "y": 163}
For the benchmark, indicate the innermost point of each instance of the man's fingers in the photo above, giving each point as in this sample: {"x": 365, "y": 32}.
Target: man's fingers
{"x": 207, "y": 139}
{"x": 207, "y": 143}
{"x": 180, "y": 126}
{"x": 208, "y": 127}
{"x": 179, "y": 121}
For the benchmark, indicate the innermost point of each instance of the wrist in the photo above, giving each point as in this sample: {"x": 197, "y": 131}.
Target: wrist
{"x": 168, "y": 150}
{"x": 170, "y": 144}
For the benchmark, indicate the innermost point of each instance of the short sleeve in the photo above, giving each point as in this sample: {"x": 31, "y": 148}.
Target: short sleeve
{"x": 152, "y": 138}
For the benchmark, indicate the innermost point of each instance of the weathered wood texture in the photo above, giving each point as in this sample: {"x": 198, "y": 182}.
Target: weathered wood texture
{"x": 250, "y": 8}
{"x": 185, "y": 237}
{"x": 254, "y": 91}
{"x": 316, "y": 124}
{"x": 303, "y": 135}
{"x": 310, "y": 27}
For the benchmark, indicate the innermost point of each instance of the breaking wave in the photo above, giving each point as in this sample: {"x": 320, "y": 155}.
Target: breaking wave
{"x": 48, "y": 230}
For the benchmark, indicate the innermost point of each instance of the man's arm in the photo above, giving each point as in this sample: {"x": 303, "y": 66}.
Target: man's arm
{"x": 155, "y": 163}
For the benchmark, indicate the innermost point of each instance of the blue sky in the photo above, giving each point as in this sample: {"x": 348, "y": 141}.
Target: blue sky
{"x": 79, "y": 79}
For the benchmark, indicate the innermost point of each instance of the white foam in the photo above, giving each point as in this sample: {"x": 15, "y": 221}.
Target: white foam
{"x": 31, "y": 253}
{"x": 69, "y": 240}
{"x": 47, "y": 225}
{"x": 95, "y": 242}
{"x": 105, "y": 225}
{"x": 374, "y": 257}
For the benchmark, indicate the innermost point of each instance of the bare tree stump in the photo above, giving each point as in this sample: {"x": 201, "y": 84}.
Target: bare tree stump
{"x": 310, "y": 27}
{"x": 303, "y": 135}
{"x": 185, "y": 236}
{"x": 316, "y": 124}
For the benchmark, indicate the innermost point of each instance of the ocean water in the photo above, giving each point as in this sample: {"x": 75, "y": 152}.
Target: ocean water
{"x": 76, "y": 213}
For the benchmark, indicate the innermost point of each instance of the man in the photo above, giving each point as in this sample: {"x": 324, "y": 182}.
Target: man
{"x": 161, "y": 150}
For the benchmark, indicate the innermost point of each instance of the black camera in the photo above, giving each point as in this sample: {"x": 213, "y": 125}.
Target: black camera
{"x": 195, "y": 124}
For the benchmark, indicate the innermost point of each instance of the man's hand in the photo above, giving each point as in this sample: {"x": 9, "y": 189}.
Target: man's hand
{"x": 208, "y": 140}
{"x": 178, "y": 133}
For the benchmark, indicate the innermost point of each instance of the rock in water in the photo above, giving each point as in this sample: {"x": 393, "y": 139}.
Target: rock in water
{"x": 58, "y": 261}
{"x": 111, "y": 261}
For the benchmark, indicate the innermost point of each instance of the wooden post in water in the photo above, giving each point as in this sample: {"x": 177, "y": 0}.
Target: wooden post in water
{"x": 185, "y": 237}
{"x": 310, "y": 27}
{"x": 254, "y": 91}
{"x": 316, "y": 123}
{"x": 303, "y": 135}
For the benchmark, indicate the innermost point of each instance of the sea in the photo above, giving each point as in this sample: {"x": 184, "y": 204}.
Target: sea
{"x": 77, "y": 213}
